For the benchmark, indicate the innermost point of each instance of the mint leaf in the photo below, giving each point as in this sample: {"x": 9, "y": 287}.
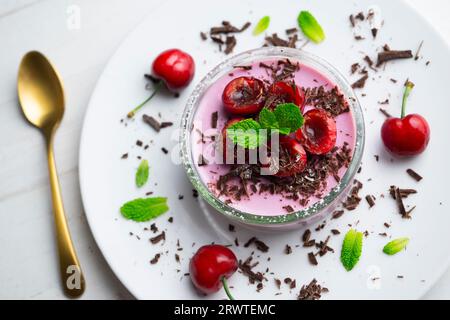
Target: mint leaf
{"x": 288, "y": 116}
{"x": 351, "y": 249}
{"x": 142, "y": 174}
{"x": 246, "y": 133}
{"x": 262, "y": 25}
{"x": 310, "y": 27}
{"x": 144, "y": 209}
{"x": 395, "y": 246}
{"x": 267, "y": 119}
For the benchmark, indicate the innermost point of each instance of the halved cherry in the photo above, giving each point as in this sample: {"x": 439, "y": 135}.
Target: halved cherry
{"x": 243, "y": 96}
{"x": 318, "y": 133}
{"x": 292, "y": 157}
{"x": 284, "y": 92}
{"x": 230, "y": 145}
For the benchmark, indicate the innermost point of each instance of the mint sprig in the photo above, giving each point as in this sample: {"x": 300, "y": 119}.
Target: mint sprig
{"x": 142, "y": 173}
{"x": 262, "y": 25}
{"x": 249, "y": 133}
{"x": 351, "y": 249}
{"x": 246, "y": 133}
{"x": 395, "y": 246}
{"x": 144, "y": 209}
{"x": 310, "y": 27}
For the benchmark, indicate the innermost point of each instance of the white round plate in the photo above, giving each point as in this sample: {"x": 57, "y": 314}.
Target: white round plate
{"x": 107, "y": 181}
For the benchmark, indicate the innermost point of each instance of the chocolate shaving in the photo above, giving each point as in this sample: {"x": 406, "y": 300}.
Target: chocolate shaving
{"x": 288, "y": 208}
{"x": 337, "y": 214}
{"x": 288, "y": 249}
{"x": 387, "y": 114}
{"x": 312, "y": 291}
{"x": 152, "y": 122}
{"x": 335, "y": 232}
{"x": 164, "y": 150}
{"x": 400, "y": 205}
{"x": 312, "y": 259}
{"x": 360, "y": 83}
{"x": 230, "y": 43}
{"x": 155, "y": 259}
{"x": 261, "y": 246}
{"x": 158, "y": 238}
{"x": 332, "y": 100}
{"x": 166, "y": 124}
{"x": 276, "y": 41}
{"x": 353, "y": 199}
{"x": 370, "y": 200}
{"x": 414, "y": 175}
{"x": 124, "y": 156}
{"x": 246, "y": 269}
{"x": 203, "y": 36}
{"x": 389, "y": 55}
{"x": 416, "y": 56}
{"x": 306, "y": 235}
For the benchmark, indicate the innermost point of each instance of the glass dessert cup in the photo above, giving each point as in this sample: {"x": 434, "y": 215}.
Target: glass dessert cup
{"x": 296, "y": 219}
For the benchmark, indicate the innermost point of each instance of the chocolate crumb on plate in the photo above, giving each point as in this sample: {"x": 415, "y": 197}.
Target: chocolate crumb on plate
{"x": 387, "y": 114}
{"x": 231, "y": 228}
{"x": 164, "y": 150}
{"x": 277, "y": 283}
{"x": 361, "y": 82}
{"x": 288, "y": 249}
{"x": 414, "y": 175}
{"x": 166, "y": 124}
{"x": 152, "y": 122}
{"x": 306, "y": 235}
{"x": 312, "y": 291}
{"x": 203, "y": 36}
{"x": 230, "y": 43}
{"x": 370, "y": 200}
{"x": 335, "y": 232}
{"x": 337, "y": 214}
{"x": 389, "y": 55}
{"x": 158, "y": 238}
{"x": 124, "y": 156}
{"x": 312, "y": 259}
{"x": 155, "y": 259}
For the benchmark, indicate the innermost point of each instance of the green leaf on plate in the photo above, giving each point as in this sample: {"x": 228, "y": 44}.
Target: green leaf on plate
{"x": 262, "y": 25}
{"x": 144, "y": 209}
{"x": 310, "y": 27}
{"x": 351, "y": 249}
{"x": 395, "y": 246}
{"x": 142, "y": 174}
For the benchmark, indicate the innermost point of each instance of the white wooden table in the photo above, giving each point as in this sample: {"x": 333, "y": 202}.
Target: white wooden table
{"x": 80, "y": 49}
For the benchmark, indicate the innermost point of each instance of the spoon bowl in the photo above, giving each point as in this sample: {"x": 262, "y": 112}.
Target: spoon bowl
{"x": 41, "y": 94}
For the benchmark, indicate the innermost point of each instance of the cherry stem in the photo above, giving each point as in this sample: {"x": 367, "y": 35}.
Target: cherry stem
{"x": 408, "y": 87}
{"x": 133, "y": 112}
{"x": 225, "y": 287}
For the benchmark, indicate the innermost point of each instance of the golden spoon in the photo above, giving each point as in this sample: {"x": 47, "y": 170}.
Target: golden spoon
{"x": 41, "y": 96}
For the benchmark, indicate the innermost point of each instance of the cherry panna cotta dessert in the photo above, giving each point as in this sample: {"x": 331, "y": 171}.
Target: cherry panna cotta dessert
{"x": 243, "y": 96}
{"x": 318, "y": 133}
{"x": 313, "y": 155}
{"x": 174, "y": 68}
{"x": 211, "y": 266}
{"x": 408, "y": 135}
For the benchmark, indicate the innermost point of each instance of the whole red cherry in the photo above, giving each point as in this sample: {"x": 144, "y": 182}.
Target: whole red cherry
{"x": 283, "y": 92}
{"x": 211, "y": 266}
{"x": 175, "y": 67}
{"x": 292, "y": 157}
{"x": 408, "y": 135}
{"x": 318, "y": 133}
{"x": 243, "y": 96}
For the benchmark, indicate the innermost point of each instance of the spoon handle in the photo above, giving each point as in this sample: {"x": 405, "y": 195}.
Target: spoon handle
{"x": 71, "y": 274}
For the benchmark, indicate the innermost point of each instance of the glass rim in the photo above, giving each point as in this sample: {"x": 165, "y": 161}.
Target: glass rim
{"x": 253, "y": 55}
